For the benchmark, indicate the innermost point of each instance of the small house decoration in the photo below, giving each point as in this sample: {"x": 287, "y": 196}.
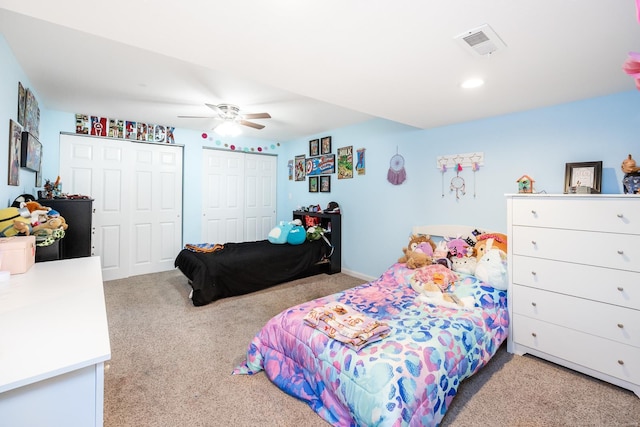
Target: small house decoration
{"x": 525, "y": 184}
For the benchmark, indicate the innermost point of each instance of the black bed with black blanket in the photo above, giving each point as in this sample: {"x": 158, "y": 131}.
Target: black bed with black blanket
{"x": 241, "y": 268}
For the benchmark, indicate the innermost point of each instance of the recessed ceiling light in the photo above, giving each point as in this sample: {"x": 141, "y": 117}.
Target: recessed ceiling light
{"x": 472, "y": 83}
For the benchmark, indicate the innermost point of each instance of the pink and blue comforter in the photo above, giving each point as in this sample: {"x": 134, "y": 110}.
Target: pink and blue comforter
{"x": 406, "y": 379}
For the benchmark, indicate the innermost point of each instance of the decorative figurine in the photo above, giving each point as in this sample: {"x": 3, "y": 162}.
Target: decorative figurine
{"x": 631, "y": 180}
{"x": 525, "y": 184}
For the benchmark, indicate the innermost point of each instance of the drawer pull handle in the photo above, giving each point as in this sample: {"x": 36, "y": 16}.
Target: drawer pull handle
{"x": 533, "y": 242}
{"x": 620, "y": 362}
{"x": 533, "y": 334}
{"x": 620, "y": 252}
{"x": 620, "y": 215}
{"x": 533, "y": 304}
{"x": 533, "y": 211}
{"x": 533, "y": 273}
{"x": 620, "y": 288}
{"x": 620, "y": 325}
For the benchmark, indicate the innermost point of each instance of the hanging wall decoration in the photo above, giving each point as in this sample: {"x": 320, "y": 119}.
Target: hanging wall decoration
{"x": 15, "y": 144}
{"x": 345, "y": 162}
{"x": 396, "y": 174}
{"x": 360, "y": 167}
{"x": 300, "y": 167}
{"x": 459, "y": 162}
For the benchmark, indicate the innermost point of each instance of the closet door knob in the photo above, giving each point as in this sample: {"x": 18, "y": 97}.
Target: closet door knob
{"x": 620, "y": 216}
{"x": 533, "y": 273}
{"x": 534, "y": 212}
{"x": 533, "y": 242}
{"x": 533, "y": 304}
{"x": 533, "y": 334}
{"x": 620, "y": 252}
{"x": 620, "y": 325}
{"x": 620, "y": 288}
{"x": 620, "y": 362}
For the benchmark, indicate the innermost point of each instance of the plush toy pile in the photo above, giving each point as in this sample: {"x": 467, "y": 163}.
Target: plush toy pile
{"x": 28, "y": 217}
{"x": 439, "y": 266}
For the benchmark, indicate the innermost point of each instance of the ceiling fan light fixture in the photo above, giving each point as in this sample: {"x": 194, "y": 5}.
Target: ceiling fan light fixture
{"x": 228, "y": 128}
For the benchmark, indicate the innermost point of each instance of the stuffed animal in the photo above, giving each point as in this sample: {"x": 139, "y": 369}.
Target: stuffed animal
{"x": 492, "y": 269}
{"x": 465, "y": 264}
{"x": 631, "y": 180}
{"x": 14, "y": 221}
{"x": 419, "y": 252}
{"x": 55, "y": 223}
{"x": 434, "y": 285}
{"x": 489, "y": 241}
{"x": 458, "y": 247}
{"x": 278, "y": 234}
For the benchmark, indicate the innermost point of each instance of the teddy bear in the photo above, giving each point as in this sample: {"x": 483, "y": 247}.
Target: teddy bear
{"x": 419, "y": 252}
{"x": 492, "y": 269}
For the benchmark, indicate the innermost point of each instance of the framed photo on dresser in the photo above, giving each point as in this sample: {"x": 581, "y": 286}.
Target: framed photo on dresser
{"x": 585, "y": 177}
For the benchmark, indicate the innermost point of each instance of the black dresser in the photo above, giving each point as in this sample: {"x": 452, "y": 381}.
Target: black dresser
{"x": 78, "y": 215}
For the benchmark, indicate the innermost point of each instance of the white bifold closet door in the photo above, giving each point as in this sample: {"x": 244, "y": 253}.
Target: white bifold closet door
{"x": 238, "y": 196}
{"x": 137, "y": 192}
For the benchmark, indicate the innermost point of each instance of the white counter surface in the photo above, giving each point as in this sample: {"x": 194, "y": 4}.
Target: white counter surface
{"x": 53, "y": 321}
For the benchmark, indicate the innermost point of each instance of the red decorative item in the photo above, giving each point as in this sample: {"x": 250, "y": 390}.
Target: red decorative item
{"x": 204, "y": 136}
{"x": 459, "y": 167}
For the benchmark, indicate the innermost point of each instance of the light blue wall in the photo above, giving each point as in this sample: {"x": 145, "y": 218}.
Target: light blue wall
{"x": 377, "y": 216}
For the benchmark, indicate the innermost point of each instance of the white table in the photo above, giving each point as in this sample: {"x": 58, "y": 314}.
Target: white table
{"x": 54, "y": 340}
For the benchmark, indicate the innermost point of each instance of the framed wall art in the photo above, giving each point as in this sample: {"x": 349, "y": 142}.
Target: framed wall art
{"x": 31, "y": 155}
{"x": 321, "y": 165}
{"x": 345, "y": 162}
{"x": 325, "y": 145}
{"x": 313, "y": 184}
{"x": 585, "y": 177}
{"x": 299, "y": 171}
{"x": 314, "y": 147}
{"x": 325, "y": 184}
{"x": 15, "y": 144}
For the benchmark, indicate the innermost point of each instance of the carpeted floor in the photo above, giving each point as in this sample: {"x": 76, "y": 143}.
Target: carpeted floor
{"x": 171, "y": 365}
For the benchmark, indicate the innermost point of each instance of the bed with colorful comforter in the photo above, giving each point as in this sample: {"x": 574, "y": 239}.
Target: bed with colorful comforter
{"x": 408, "y": 377}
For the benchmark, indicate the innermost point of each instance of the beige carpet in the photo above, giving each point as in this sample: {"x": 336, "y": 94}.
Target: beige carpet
{"x": 171, "y": 365}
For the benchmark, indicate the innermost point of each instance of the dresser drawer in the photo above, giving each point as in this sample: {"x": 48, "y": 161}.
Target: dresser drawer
{"x": 614, "y": 215}
{"x": 611, "y": 322}
{"x": 602, "y": 355}
{"x": 611, "y": 250}
{"x": 595, "y": 283}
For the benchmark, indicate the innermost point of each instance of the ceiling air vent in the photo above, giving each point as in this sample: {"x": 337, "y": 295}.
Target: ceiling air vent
{"x": 482, "y": 40}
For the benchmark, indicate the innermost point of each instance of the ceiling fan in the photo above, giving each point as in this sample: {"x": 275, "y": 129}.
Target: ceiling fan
{"x": 231, "y": 113}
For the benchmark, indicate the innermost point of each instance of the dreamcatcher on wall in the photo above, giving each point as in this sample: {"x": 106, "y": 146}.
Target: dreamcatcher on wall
{"x": 459, "y": 162}
{"x": 396, "y": 174}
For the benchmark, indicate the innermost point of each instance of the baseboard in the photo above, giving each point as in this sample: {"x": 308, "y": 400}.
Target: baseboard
{"x": 358, "y": 275}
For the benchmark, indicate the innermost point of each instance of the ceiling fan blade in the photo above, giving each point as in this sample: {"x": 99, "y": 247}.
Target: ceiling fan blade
{"x": 257, "y": 116}
{"x": 250, "y": 124}
{"x": 214, "y": 108}
{"x": 196, "y": 117}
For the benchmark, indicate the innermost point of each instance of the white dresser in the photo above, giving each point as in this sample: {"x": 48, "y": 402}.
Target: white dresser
{"x": 574, "y": 290}
{"x": 54, "y": 340}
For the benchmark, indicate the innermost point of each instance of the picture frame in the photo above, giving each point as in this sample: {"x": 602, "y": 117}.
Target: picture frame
{"x": 314, "y": 147}
{"x": 313, "y": 184}
{"x": 31, "y": 156}
{"x": 325, "y": 184}
{"x": 299, "y": 167}
{"x": 15, "y": 141}
{"x": 320, "y": 165}
{"x": 325, "y": 145}
{"x": 345, "y": 162}
{"x": 583, "y": 177}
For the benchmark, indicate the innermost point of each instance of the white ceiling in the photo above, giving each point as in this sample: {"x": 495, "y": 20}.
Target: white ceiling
{"x": 316, "y": 66}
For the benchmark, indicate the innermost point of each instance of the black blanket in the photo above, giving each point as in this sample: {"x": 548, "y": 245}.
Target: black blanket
{"x": 241, "y": 268}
